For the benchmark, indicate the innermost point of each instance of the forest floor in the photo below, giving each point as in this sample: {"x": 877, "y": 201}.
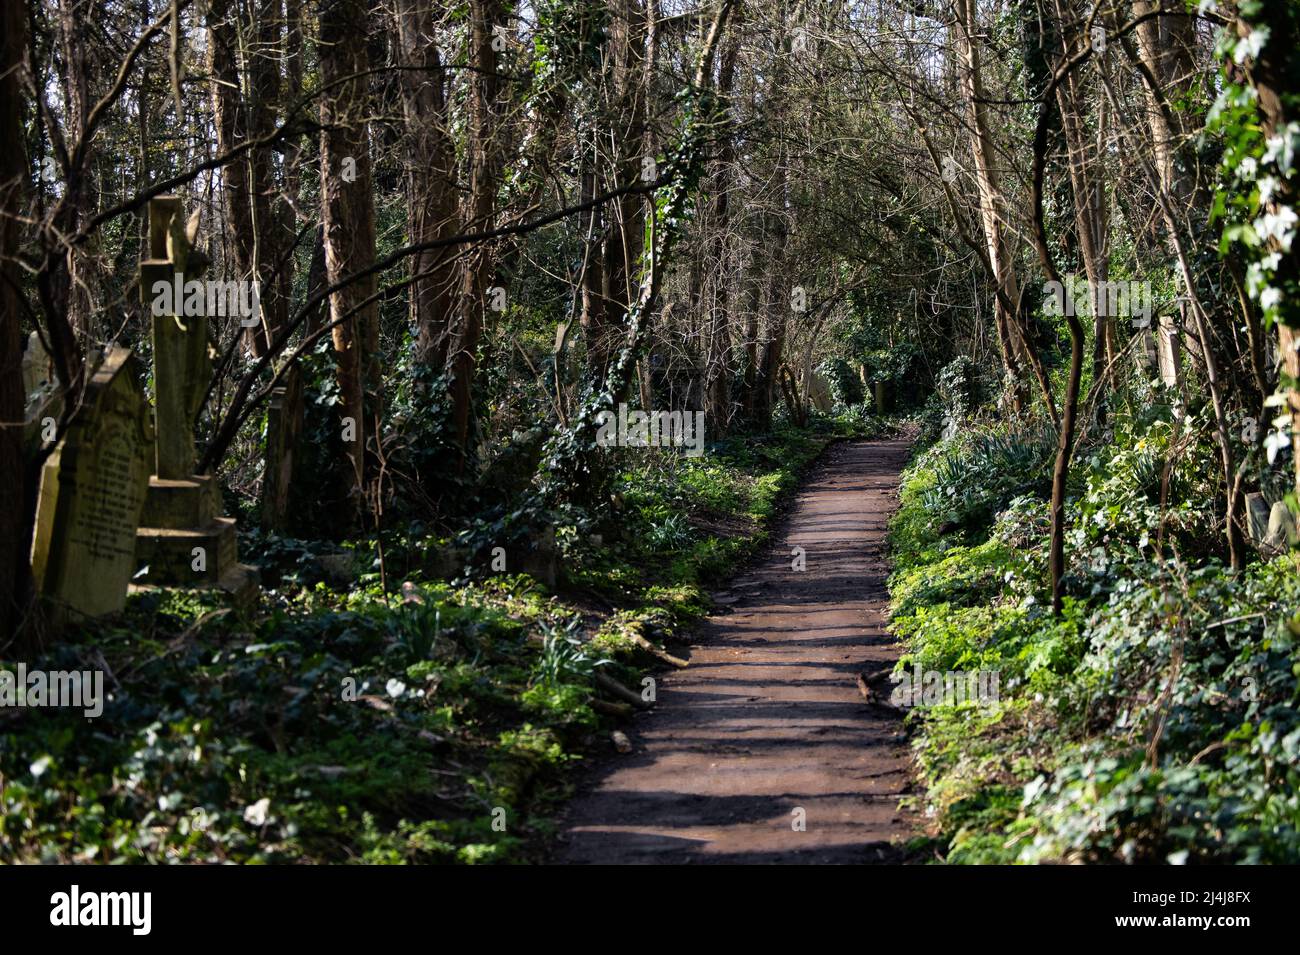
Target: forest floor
{"x": 764, "y": 749}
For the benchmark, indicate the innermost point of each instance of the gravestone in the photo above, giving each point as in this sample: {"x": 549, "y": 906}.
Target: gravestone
{"x": 1271, "y": 528}
{"x": 44, "y": 401}
{"x": 92, "y": 491}
{"x": 1169, "y": 351}
{"x": 284, "y": 418}
{"x": 181, "y": 367}
{"x": 1257, "y": 513}
{"x": 183, "y": 540}
{"x": 819, "y": 392}
{"x": 1281, "y": 528}
{"x": 36, "y": 365}
{"x": 541, "y": 560}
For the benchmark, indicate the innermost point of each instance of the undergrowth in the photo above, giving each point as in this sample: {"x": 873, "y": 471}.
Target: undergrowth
{"x": 403, "y": 710}
{"x": 1155, "y": 720}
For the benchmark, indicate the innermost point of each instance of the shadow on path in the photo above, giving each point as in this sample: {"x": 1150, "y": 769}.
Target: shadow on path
{"x": 767, "y": 720}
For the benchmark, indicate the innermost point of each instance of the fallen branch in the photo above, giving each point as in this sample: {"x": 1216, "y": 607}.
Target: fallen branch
{"x": 616, "y": 689}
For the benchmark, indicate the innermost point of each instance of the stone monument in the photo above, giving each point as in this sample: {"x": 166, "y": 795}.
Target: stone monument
{"x": 183, "y": 541}
{"x": 91, "y": 494}
{"x": 284, "y": 423}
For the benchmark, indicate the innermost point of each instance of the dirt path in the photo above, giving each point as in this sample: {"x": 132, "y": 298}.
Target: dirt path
{"x": 768, "y": 718}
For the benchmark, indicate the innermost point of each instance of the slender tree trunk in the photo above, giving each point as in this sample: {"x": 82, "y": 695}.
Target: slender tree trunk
{"x": 244, "y": 103}
{"x": 81, "y": 262}
{"x": 430, "y": 182}
{"x": 349, "y": 219}
{"x": 15, "y": 541}
{"x": 717, "y": 372}
{"x": 483, "y": 140}
{"x": 1090, "y": 213}
{"x": 992, "y": 204}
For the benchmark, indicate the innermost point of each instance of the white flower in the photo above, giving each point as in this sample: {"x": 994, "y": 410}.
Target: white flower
{"x": 1275, "y": 442}
{"x": 255, "y": 815}
{"x": 395, "y": 688}
{"x": 1258, "y": 37}
{"x": 1256, "y": 278}
{"x": 1279, "y": 225}
{"x": 1282, "y": 147}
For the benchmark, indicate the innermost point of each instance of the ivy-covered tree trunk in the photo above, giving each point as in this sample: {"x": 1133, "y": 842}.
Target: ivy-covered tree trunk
{"x": 1274, "y": 73}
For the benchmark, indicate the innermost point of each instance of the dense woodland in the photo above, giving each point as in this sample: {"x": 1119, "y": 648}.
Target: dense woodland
{"x": 478, "y": 229}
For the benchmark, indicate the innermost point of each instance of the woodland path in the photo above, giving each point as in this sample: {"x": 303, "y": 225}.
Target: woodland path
{"x": 768, "y": 718}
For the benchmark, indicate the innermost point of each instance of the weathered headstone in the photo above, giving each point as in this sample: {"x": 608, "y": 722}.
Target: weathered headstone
{"x": 36, "y": 364}
{"x": 183, "y": 540}
{"x": 92, "y": 491}
{"x": 1271, "y": 528}
{"x": 1281, "y": 527}
{"x": 1169, "y": 351}
{"x": 541, "y": 560}
{"x": 819, "y": 392}
{"x": 284, "y": 418}
{"x": 882, "y": 401}
{"x": 44, "y": 402}
{"x": 1257, "y": 513}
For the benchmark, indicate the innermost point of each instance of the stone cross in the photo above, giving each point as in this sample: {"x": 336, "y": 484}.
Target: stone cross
{"x": 180, "y": 341}
{"x": 183, "y": 539}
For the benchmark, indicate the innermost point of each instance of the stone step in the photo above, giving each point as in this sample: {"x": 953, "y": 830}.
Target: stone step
{"x": 183, "y": 502}
{"x": 240, "y": 583}
{"x": 169, "y": 553}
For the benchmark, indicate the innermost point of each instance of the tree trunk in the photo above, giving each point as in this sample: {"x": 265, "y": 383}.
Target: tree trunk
{"x": 483, "y": 160}
{"x": 1090, "y": 213}
{"x": 430, "y": 185}
{"x": 244, "y": 102}
{"x": 15, "y": 541}
{"x": 349, "y": 221}
{"x": 991, "y": 201}
{"x": 1274, "y": 76}
{"x": 717, "y": 371}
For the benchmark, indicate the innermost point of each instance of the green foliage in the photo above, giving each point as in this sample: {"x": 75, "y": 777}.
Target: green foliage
{"x": 846, "y": 386}
{"x": 354, "y": 725}
{"x": 320, "y": 736}
{"x": 1154, "y": 721}
{"x": 1257, "y": 195}
{"x": 892, "y": 364}
{"x": 978, "y": 474}
{"x": 959, "y": 388}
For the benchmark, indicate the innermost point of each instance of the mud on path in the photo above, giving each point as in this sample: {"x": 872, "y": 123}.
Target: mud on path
{"x": 768, "y": 717}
